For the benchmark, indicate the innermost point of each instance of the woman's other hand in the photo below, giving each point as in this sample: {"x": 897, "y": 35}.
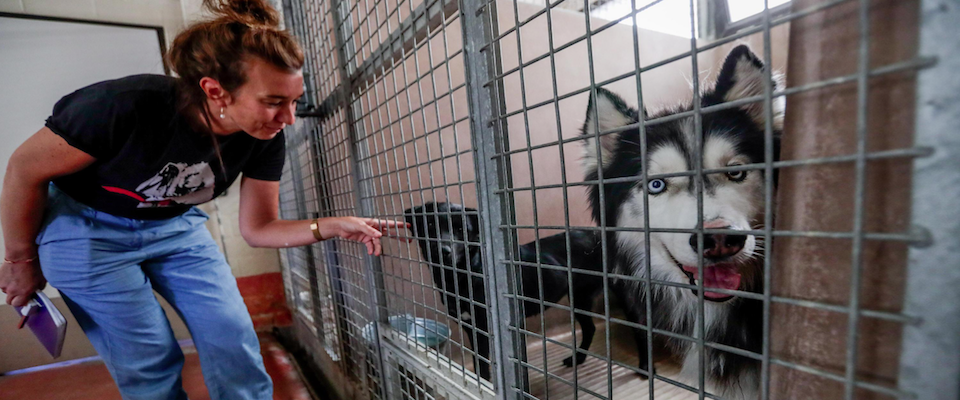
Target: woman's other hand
{"x": 20, "y": 280}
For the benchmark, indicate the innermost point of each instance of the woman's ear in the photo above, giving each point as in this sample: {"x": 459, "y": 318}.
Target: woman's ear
{"x": 215, "y": 91}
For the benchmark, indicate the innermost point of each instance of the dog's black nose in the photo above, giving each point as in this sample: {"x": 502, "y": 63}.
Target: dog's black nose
{"x": 718, "y": 246}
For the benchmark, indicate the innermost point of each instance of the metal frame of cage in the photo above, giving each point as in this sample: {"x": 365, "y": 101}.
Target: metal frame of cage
{"x": 354, "y": 49}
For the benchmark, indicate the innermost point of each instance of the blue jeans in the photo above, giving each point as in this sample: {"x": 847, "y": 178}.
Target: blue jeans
{"x": 107, "y": 267}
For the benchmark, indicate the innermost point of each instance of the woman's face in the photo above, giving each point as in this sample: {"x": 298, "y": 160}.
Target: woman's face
{"x": 266, "y": 103}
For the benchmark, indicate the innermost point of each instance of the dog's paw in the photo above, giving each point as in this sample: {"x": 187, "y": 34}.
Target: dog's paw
{"x": 568, "y": 362}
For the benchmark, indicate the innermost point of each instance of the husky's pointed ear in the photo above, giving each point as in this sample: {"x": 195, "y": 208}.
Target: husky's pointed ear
{"x": 609, "y": 112}
{"x": 741, "y": 77}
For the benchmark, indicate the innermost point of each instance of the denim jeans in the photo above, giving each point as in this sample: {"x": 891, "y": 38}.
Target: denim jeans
{"x": 107, "y": 267}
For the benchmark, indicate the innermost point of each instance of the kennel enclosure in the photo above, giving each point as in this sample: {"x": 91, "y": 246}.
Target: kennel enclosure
{"x": 480, "y": 103}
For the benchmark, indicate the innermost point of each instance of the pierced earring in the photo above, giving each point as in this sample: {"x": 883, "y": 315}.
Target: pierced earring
{"x": 222, "y": 116}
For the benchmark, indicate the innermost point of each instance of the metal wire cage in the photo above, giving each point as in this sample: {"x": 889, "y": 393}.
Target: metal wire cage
{"x": 412, "y": 103}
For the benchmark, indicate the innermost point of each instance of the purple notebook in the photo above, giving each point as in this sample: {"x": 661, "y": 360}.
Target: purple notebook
{"x": 46, "y": 322}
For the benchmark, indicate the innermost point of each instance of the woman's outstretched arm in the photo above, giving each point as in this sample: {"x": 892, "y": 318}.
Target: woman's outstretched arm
{"x": 261, "y": 226}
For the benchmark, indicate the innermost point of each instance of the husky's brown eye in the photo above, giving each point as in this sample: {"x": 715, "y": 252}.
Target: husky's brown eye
{"x": 737, "y": 176}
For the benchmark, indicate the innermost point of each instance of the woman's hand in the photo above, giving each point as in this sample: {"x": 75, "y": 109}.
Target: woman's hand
{"x": 20, "y": 281}
{"x": 365, "y": 230}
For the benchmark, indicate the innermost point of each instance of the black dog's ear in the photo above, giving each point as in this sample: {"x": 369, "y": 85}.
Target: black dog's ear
{"x": 609, "y": 112}
{"x": 741, "y": 77}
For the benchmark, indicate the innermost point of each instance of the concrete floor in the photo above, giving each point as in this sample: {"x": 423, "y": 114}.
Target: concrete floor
{"x": 90, "y": 380}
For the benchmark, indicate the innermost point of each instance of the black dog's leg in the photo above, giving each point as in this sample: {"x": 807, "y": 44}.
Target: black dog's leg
{"x": 583, "y": 301}
{"x": 483, "y": 343}
{"x": 466, "y": 324}
{"x": 479, "y": 330}
{"x": 640, "y": 337}
{"x": 588, "y": 328}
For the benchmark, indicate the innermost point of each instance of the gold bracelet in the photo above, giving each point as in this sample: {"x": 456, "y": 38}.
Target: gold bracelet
{"x": 315, "y": 228}
{"x": 9, "y": 261}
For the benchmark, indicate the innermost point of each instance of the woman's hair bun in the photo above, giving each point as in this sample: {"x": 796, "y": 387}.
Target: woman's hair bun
{"x": 250, "y": 12}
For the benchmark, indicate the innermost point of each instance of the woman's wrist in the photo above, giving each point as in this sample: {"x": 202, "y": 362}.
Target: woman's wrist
{"x": 326, "y": 228}
{"x": 315, "y": 229}
{"x": 20, "y": 254}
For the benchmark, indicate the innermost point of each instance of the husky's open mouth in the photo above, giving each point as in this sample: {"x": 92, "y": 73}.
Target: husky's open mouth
{"x": 724, "y": 275}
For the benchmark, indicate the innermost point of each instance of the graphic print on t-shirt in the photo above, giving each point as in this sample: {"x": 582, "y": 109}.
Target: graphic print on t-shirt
{"x": 176, "y": 183}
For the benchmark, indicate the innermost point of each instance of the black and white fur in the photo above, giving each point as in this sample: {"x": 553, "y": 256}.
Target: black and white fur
{"x": 732, "y": 200}
{"x": 445, "y": 233}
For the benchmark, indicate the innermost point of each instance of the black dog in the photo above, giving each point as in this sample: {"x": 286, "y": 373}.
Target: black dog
{"x": 447, "y": 240}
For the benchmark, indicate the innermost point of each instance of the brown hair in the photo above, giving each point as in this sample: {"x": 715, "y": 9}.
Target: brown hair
{"x": 218, "y": 47}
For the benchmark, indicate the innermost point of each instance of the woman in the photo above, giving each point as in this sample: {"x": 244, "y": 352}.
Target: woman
{"x": 128, "y": 160}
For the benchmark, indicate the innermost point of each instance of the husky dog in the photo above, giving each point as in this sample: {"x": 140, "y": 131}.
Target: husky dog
{"x": 731, "y": 201}
{"x": 443, "y": 234}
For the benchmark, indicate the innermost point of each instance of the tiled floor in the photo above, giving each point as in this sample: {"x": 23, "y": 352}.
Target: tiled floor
{"x": 92, "y": 381}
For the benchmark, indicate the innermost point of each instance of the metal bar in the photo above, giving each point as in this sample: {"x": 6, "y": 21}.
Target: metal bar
{"x": 319, "y": 191}
{"x": 439, "y": 286}
{"x": 518, "y": 280}
{"x": 913, "y": 237}
{"x": 477, "y": 25}
{"x": 325, "y": 205}
{"x": 357, "y": 150}
{"x": 929, "y": 365}
{"x": 460, "y": 180}
{"x": 566, "y": 207}
{"x": 768, "y": 158}
{"x": 311, "y": 271}
{"x": 443, "y": 169}
{"x": 701, "y": 319}
{"x": 602, "y": 196}
{"x": 863, "y": 66}
{"x": 644, "y": 180}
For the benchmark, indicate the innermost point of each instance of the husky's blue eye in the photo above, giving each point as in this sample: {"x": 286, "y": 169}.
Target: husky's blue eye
{"x": 656, "y": 186}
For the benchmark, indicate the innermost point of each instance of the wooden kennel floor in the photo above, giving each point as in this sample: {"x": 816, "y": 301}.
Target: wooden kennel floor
{"x": 592, "y": 374}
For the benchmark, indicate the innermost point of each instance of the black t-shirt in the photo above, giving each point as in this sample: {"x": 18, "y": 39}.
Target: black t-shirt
{"x": 151, "y": 163}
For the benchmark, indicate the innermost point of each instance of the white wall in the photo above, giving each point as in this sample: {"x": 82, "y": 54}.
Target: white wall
{"x": 164, "y": 13}
{"x": 44, "y": 60}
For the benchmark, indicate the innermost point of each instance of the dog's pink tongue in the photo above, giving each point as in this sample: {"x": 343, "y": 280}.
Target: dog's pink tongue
{"x": 720, "y": 276}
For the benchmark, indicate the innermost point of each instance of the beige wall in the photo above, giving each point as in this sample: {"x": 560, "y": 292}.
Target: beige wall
{"x": 19, "y": 349}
